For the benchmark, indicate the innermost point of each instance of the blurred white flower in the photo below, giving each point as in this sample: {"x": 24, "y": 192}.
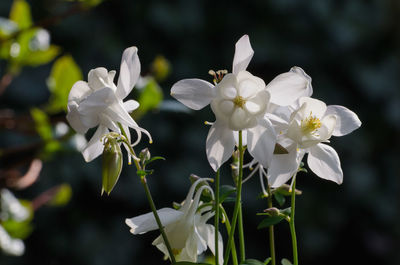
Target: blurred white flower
{"x": 99, "y": 102}
{"x": 9, "y": 245}
{"x": 240, "y": 102}
{"x": 186, "y": 228}
{"x": 40, "y": 41}
{"x": 11, "y": 208}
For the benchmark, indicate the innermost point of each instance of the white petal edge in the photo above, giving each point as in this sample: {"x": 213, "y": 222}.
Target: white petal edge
{"x": 74, "y": 119}
{"x": 283, "y": 167}
{"x": 79, "y": 91}
{"x": 346, "y": 120}
{"x": 193, "y": 93}
{"x": 324, "y": 162}
{"x": 95, "y": 146}
{"x": 220, "y": 145}
{"x": 129, "y": 72}
{"x": 286, "y": 88}
{"x": 261, "y": 141}
{"x": 243, "y": 54}
{"x": 146, "y": 222}
{"x": 131, "y": 105}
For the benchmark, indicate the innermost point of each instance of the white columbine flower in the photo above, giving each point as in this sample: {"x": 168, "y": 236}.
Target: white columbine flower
{"x": 186, "y": 228}
{"x": 99, "y": 102}
{"x": 240, "y": 102}
{"x": 308, "y": 127}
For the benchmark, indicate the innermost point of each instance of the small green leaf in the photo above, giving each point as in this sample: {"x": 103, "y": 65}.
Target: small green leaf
{"x": 42, "y": 124}
{"x": 64, "y": 73}
{"x": 270, "y": 220}
{"x": 21, "y": 14}
{"x": 279, "y": 198}
{"x": 37, "y": 58}
{"x": 62, "y": 197}
{"x": 154, "y": 158}
{"x": 150, "y": 98}
{"x": 286, "y": 262}
{"x": 252, "y": 262}
{"x": 267, "y": 261}
{"x": 224, "y": 193}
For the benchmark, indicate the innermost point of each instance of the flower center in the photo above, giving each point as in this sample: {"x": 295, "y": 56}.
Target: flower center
{"x": 310, "y": 124}
{"x": 176, "y": 252}
{"x": 239, "y": 101}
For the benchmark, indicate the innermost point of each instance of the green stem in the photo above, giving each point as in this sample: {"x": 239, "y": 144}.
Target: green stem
{"x": 271, "y": 229}
{"x": 150, "y": 199}
{"x": 291, "y": 223}
{"x": 216, "y": 217}
{"x": 237, "y": 203}
{"x": 228, "y": 229}
{"x": 160, "y": 226}
{"x": 241, "y": 235}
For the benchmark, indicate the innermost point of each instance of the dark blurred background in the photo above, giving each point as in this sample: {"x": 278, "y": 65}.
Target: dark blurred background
{"x": 351, "y": 49}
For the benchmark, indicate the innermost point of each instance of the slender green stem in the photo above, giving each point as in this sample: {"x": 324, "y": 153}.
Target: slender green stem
{"x": 271, "y": 230}
{"x": 241, "y": 235}
{"x": 291, "y": 223}
{"x": 216, "y": 217}
{"x": 150, "y": 199}
{"x": 160, "y": 226}
{"x": 238, "y": 201}
{"x": 228, "y": 229}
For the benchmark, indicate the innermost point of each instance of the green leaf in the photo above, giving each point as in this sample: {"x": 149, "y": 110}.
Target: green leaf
{"x": 267, "y": 261}
{"x": 154, "y": 158}
{"x": 270, "y": 220}
{"x": 150, "y": 98}
{"x": 279, "y": 198}
{"x": 37, "y": 58}
{"x": 286, "y": 262}
{"x": 62, "y": 196}
{"x": 225, "y": 191}
{"x": 189, "y": 263}
{"x": 21, "y": 14}
{"x": 64, "y": 73}
{"x": 252, "y": 262}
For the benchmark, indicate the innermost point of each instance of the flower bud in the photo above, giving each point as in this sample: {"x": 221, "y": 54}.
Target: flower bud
{"x": 112, "y": 165}
{"x": 144, "y": 155}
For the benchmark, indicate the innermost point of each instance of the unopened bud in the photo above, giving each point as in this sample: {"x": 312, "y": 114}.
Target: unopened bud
{"x": 112, "y": 165}
{"x": 272, "y": 211}
{"x": 144, "y": 155}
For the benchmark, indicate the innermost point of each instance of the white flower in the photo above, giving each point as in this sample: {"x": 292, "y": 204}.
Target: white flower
{"x": 98, "y": 102}
{"x": 9, "y": 245}
{"x": 239, "y": 102}
{"x": 11, "y": 208}
{"x": 308, "y": 127}
{"x": 186, "y": 228}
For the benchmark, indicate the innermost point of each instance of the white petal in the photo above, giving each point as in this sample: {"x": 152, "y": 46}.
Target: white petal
{"x": 324, "y": 162}
{"x": 244, "y": 137}
{"x": 245, "y": 75}
{"x": 239, "y": 119}
{"x": 117, "y": 113}
{"x": 346, "y": 120}
{"x": 146, "y": 222}
{"x": 261, "y": 141}
{"x": 129, "y": 72}
{"x": 131, "y": 105}
{"x": 226, "y": 107}
{"x": 95, "y": 104}
{"x": 74, "y": 119}
{"x": 259, "y": 103}
{"x": 328, "y": 125}
{"x": 312, "y": 106}
{"x": 79, "y": 91}
{"x": 220, "y": 145}
{"x": 193, "y": 93}
{"x": 288, "y": 87}
{"x": 95, "y": 146}
{"x": 283, "y": 167}
{"x": 243, "y": 54}
{"x": 208, "y": 233}
{"x": 98, "y": 78}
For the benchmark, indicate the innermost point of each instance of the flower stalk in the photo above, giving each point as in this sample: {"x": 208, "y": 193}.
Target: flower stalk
{"x": 216, "y": 218}
{"x": 291, "y": 222}
{"x": 237, "y": 203}
{"x": 271, "y": 229}
{"x": 143, "y": 180}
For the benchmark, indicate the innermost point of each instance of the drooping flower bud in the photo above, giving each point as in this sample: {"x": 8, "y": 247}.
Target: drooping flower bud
{"x": 112, "y": 164}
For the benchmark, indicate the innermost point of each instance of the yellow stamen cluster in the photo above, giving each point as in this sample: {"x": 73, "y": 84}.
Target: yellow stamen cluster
{"x": 239, "y": 101}
{"x": 310, "y": 124}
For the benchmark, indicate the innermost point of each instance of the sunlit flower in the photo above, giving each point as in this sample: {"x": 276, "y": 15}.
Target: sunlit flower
{"x": 310, "y": 126}
{"x": 99, "y": 102}
{"x": 187, "y": 231}
{"x": 240, "y": 102}
{"x": 9, "y": 245}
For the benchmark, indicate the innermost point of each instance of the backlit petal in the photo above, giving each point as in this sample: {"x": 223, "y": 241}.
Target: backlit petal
{"x": 243, "y": 54}
{"x": 95, "y": 146}
{"x": 193, "y": 93}
{"x": 261, "y": 141}
{"x": 220, "y": 145}
{"x": 129, "y": 72}
{"x": 346, "y": 120}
